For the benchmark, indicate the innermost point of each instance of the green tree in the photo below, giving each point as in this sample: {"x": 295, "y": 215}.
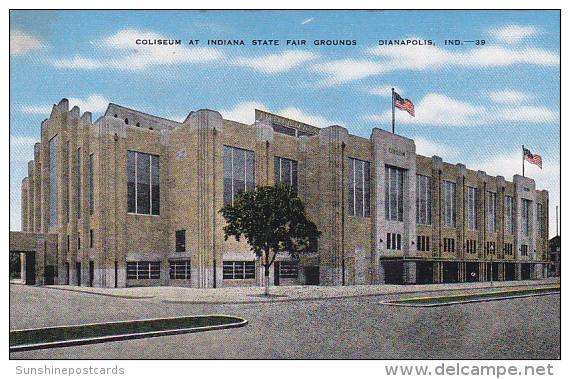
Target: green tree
{"x": 272, "y": 219}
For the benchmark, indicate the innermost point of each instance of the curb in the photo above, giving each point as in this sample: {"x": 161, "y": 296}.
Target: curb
{"x": 101, "y": 294}
{"x": 248, "y": 298}
{"x": 554, "y": 292}
{"x": 123, "y": 337}
{"x": 286, "y": 298}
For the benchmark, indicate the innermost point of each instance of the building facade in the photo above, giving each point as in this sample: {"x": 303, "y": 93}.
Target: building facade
{"x": 133, "y": 199}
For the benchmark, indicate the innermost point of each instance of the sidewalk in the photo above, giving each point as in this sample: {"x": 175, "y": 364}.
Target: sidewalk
{"x": 290, "y": 293}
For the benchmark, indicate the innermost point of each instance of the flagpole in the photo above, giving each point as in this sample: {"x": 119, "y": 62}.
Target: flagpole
{"x": 393, "y": 117}
{"x": 523, "y": 159}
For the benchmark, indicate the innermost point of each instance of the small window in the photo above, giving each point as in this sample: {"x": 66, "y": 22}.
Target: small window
{"x": 449, "y": 245}
{"x": 180, "y": 241}
{"x": 393, "y": 241}
{"x": 91, "y": 238}
{"x": 471, "y": 246}
{"x": 423, "y": 243}
{"x": 127, "y": 121}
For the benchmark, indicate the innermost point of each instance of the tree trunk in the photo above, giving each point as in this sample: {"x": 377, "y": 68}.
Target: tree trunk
{"x": 266, "y": 265}
{"x": 266, "y": 281}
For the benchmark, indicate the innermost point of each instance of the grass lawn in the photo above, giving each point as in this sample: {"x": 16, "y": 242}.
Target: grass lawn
{"x": 455, "y": 299}
{"x": 122, "y": 328}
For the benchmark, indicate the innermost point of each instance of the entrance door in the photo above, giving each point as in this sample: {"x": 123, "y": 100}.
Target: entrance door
{"x": 30, "y": 268}
{"x": 276, "y": 275}
{"x": 312, "y": 275}
{"x": 78, "y": 270}
{"x": 91, "y": 273}
{"x": 50, "y": 275}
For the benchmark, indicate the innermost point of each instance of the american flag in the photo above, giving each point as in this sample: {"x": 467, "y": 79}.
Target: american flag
{"x": 403, "y": 104}
{"x": 532, "y": 158}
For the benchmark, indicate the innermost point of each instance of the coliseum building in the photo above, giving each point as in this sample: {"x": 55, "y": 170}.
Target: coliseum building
{"x": 133, "y": 199}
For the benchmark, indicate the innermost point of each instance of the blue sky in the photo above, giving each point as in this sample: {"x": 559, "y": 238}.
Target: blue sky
{"x": 474, "y": 104}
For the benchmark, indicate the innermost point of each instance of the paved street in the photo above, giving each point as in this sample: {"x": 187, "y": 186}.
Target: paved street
{"x": 324, "y": 328}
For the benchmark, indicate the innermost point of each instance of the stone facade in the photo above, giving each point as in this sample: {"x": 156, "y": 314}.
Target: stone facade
{"x": 133, "y": 199}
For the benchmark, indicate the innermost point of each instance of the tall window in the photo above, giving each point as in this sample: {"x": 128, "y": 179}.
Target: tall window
{"x": 180, "y": 241}
{"x": 53, "y": 182}
{"x": 286, "y": 172}
{"x": 91, "y": 184}
{"x": 394, "y": 193}
{"x": 491, "y": 211}
{"x": 471, "y": 208}
{"x": 423, "y": 200}
{"x": 449, "y": 210}
{"x": 509, "y": 214}
{"x": 239, "y": 172}
{"x": 359, "y": 189}
{"x": 143, "y": 183}
{"x": 78, "y": 183}
{"x": 539, "y": 222}
{"x": 526, "y": 222}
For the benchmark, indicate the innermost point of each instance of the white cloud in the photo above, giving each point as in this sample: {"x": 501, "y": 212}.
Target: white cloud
{"x": 245, "y": 113}
{"x": 299, "y": 115}
{"x": 307, "y": 21}
{"x": 385, "y": 59}
{"x": 529, "y": 114}
{"x": 441, "y": 110}
{"x": 429, "y": 148}
{"x": 22, "y": 148}
{"x": 126, "y": 39}
{"x": 493, "y": 56}
{"x": 22, "y": 43}
{"x": 513, "y": 33}
{"x": 44, "y": 109}
{"x": 509, "y": 96}
{"x": 438, "y": 110}
{"x": 347, "y": 70}
{"x": 384, "y": 91}
{"x": 275, "y": 63}
{"x": 93, "y": 104}
{"x": 139, "y": 57}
